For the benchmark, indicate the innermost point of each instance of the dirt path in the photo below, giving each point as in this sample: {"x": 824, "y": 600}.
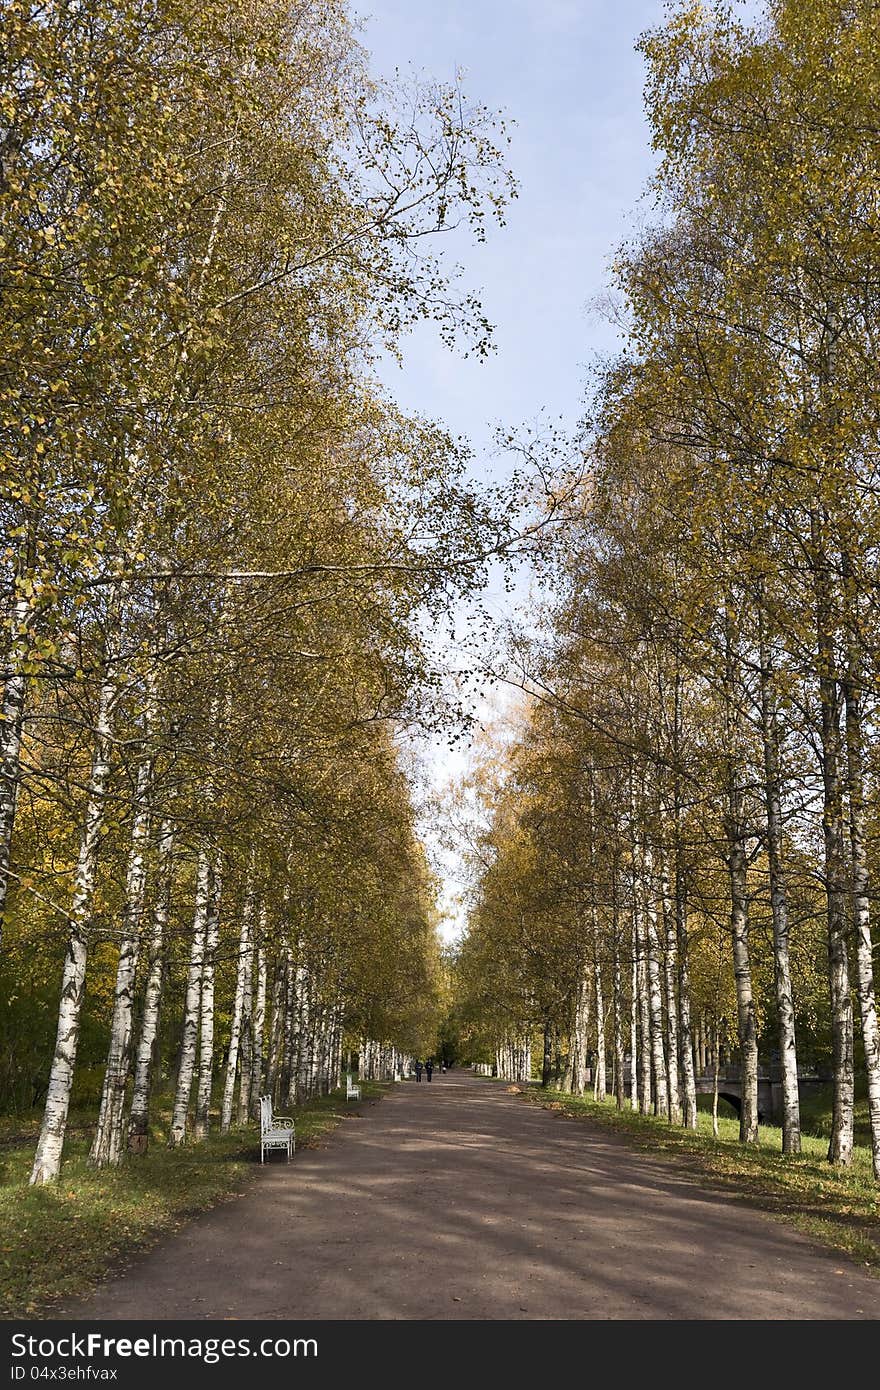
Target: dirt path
{"x": 455, "y": 1200}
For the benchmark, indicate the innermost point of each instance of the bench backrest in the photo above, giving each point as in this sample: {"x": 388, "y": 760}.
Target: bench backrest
{"x": 265, "y": 1113}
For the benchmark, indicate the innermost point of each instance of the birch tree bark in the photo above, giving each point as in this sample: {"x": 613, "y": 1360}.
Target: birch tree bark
{"x": 655, "y": 995}
{"x": 241, "y": 977}
{"x": 47, "y": 1161}
{"x": 684, "y": 1003}
{"x": 139, "y": 1126}
{"x": 689, "y": 1087}
{"x": 791, "y": 1122}
{"x": 304, "y": 1033}
{"x": 745, "y": 1002}
{"x": 276, "y": 1028}
{"x": 246, "y": 1048}
{"x": 109, "y": 1142}
{"x": 258, "y": 1057}
{"x": 206, "y": 1008}
{"x": 672, "y": 1015}
{"x": 11, "y": 724}
{"x": 288, "y": 1038}
{"x": 645, "y": 1042}
{"x": 860, "y": 882}
{"x": 190, "y": 1037}
{"x": 296, "y": 978}
{"x": 616, "y": 987}
{"x": 737, "y": 867}
{"x": 580, "y": 1033}
{"x": 600, "y": 1080}
{"x": 546, "y": 1058}
{"x": 634, "y": 1017}
{"x": 841, "y": 1142}
{"x": 716, "y": 1055}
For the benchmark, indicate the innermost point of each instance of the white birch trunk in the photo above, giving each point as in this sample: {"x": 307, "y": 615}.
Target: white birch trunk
{"x": 715, "y": 1088}
{"x": 315, "y": 1041}
{"x": 206, "y": 1012}
{"x": 791, "y": 1122}
{"x": 258, "y": 1060}
{"x": 306, "y": 1034}
{"x": 645, "y": 1094}
{"x": 189, "y": 1041}
{"x": 138, "y": 1125}
{"x": 244, "y": 949}
{"x": 276, "y": 1027}
{"x": 840, "y": 1146}
{"x": 316, "y": 1048}
{"x": 245, "y": 1068}
{"x": 870, "y": 1027}
{"x": 862, "y": 906}
{"x": 669, "y": 974}
{"x": 108, "y": 1144}
{"x": 634, "y": 1022}
{"x": 328, "y": 1050}
{"x": 47, "y": 1161}
{"x": 684, "y": 1007}
{"x": 303, "y": 1061}
{"x": 288, "y": 1083}
{"x": 616, "y": 1009}
{"x": 11, "y": 722}
{"x": 580, "y": 1035}
{"x": 745, "y": 1003}
{"x": 294, "y": 1012}
{"x": 655, "y": 998}
{"x": 599, "y": 1081}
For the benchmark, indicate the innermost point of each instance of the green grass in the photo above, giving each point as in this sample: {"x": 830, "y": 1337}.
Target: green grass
{"x": 58, "y": 1241}
{"x": 839, "y": 1207}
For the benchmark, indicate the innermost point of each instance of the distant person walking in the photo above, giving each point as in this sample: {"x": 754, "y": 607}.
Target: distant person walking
{"x": 419, "y": 1072}
{"x": 429, "y": 1068}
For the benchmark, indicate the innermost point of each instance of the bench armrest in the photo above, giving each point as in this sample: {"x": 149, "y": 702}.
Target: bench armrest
{"x": 278, "y": 1121}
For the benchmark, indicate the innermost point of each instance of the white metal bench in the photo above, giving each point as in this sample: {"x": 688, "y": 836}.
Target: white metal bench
{"x": 276, "y": 1131}
{"x": 352, "y": 1089}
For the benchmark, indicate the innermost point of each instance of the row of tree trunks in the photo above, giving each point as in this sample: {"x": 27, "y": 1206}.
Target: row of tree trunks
{"x": 382, "y": 1061}
{"x": 653, "y": 1067}
{"x": 513, "y": 1059}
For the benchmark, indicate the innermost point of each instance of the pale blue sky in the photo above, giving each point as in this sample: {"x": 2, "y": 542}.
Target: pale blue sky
{"x": 566, "y": 72}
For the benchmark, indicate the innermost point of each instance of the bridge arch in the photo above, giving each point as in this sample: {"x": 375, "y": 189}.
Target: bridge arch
{"x": 733, "y": 1099}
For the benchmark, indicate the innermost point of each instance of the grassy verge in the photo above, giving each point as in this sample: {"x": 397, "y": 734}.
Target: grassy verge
{"x": 59, "y": 1241}
{"x": 841, "y": 1208}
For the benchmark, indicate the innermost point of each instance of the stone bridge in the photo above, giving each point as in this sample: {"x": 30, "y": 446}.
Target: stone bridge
{"x": 769, "y": 1089}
